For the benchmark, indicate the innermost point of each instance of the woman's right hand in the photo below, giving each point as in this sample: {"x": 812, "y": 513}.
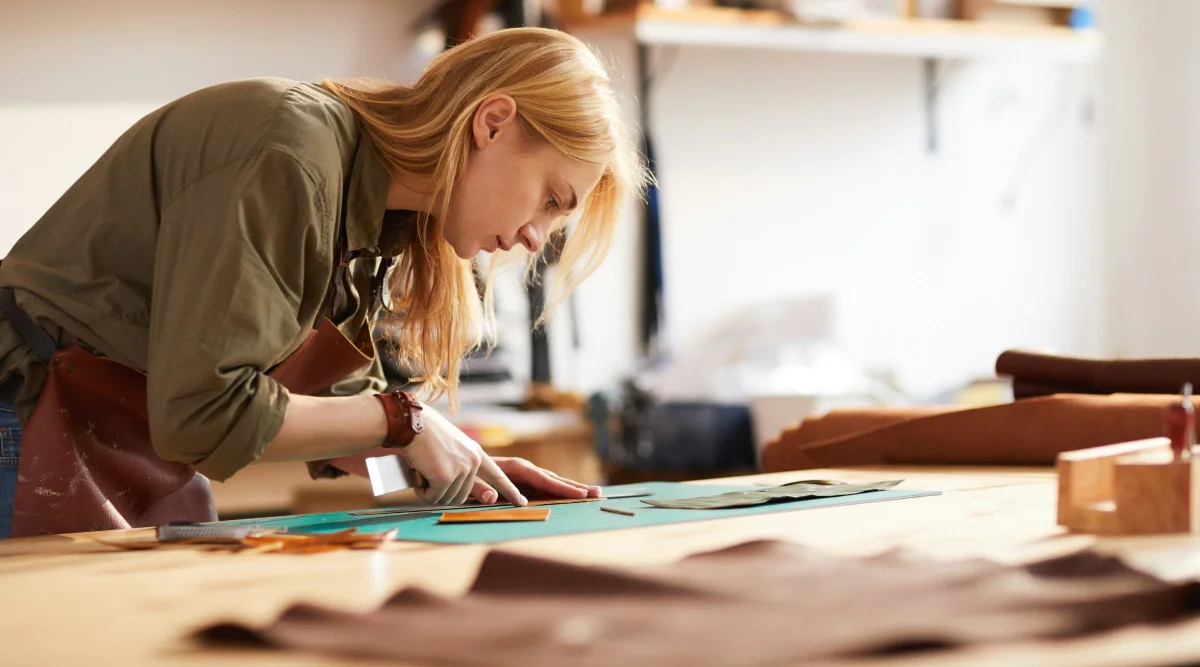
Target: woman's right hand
{"x": 451, "y": 461}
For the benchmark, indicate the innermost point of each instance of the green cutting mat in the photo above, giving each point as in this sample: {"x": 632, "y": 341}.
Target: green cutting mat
{"x": 566, "y": 519}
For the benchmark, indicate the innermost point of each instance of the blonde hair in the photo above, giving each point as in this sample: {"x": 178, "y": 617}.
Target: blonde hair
{"x": 564, "y": 96}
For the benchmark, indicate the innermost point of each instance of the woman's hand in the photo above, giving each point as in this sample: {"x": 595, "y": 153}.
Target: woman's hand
{"x": 538, "y": 481}
{"x": 456, "y": 466}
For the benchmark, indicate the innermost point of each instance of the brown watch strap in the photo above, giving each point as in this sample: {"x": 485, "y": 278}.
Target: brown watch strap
{"x": 403, "y": 418}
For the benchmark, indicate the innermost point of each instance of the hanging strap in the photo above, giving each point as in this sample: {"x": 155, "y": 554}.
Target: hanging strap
{"x": 385, "y": 263}
{"x": 335, "y": 294}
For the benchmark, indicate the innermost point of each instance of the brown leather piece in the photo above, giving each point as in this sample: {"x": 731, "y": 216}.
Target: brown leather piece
{"x": 844, "y": 421}
{"x": 308, "y": 371}
{"x": 758, "y": 603}
{"x": 1023, "y": 389}
{"x": 1027, "y": 432}
{"x": 490, "y": 516}
{"x": 1035, "y": 374}
{"x": 86, "y": 458}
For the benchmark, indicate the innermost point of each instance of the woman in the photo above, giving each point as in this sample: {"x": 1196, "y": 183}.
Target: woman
{"x": 201, "y": 298}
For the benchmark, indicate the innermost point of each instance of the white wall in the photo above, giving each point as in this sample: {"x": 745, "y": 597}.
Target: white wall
{"x": 78, "y": 73}
{"x": 782, "y": 174}
{"x": 808, "y": 173}
{"x": 1152, "y": 162}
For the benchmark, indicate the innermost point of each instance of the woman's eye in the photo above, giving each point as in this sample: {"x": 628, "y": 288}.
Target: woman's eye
{"x": 552, "y": 202}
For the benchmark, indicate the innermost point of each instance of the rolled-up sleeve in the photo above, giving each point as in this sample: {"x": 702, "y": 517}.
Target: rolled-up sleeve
{"x": 242, "y": 259}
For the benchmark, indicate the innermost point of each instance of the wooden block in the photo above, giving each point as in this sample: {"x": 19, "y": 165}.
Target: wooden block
{"x": 1097, "y": 519}
{"x": 487, "y": 516}
{"x": 1132, "y": 488}
{"x": 1154, "y": 497}
{"x": 1085, "y": 479}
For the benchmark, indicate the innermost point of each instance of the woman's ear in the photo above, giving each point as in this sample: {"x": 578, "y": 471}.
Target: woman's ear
{"x": 495, "y": 116}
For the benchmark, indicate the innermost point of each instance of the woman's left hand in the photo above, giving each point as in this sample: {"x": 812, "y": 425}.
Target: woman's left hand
{"x": 534, "y": 482}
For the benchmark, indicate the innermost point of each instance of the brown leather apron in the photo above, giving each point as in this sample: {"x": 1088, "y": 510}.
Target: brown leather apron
{"x": 86, "y": 458}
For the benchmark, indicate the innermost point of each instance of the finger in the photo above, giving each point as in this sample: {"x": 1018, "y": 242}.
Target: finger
{"x": 438, "y": 488}
{"x": 580, "y": 489}
{"x": 492, "y": 474}
{"x": 464, "y": 491}
{"x": 468, "y": 481}
{"x": 527, "y": 473}
{"x": 524, "y": 468}
{"x": 593, "y": 491}
{"x": 589, "y": 490}
{"x": 483, "y": 492}
{"x": 452, "y": 490}
{"x": 429, "y": 487}
{"x": 544, "y": 481}
{"x": 548, "y": 484}
{"x": 583, "y": 487}
{"x": 427, "y": 496}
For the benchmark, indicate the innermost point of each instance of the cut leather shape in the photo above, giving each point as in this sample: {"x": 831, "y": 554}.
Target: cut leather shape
{"x": 487, "y": 516}
{"x": 268, "y": 542}
{"x": 790, "y": 491}
{"x": 757, "y": 603}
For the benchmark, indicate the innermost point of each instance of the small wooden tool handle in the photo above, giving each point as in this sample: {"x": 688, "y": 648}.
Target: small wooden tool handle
{"x": 1181, "y": 424}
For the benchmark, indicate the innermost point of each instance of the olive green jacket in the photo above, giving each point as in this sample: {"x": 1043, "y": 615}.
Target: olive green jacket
{"x": 198, "y": 249}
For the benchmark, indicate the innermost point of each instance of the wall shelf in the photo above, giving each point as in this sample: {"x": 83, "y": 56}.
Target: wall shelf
{"x": 920, "y": 38}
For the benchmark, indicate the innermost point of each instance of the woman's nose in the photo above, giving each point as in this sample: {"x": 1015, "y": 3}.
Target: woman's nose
{"x": 531, "y": 237}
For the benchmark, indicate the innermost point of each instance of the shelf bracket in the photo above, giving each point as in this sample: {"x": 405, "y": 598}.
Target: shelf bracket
{"x": 932, "y": 88}
{"x": 937, "y": 72}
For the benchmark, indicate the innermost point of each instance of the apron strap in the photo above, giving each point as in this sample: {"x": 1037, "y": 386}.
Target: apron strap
{"x": 36, "y": 338}
{"x": 335, "y": 292}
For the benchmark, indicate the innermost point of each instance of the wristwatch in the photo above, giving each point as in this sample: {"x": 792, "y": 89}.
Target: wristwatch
{"x": 403, "y": 418}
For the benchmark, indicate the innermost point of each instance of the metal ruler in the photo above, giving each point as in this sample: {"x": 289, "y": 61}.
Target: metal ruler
{"x": 387, "y": 511}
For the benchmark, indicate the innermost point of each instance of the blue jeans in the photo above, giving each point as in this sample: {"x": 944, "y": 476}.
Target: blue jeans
{"x": 10, "y": 452}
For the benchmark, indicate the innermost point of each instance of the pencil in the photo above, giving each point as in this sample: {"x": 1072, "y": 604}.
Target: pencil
{"x": 614, "y": 510}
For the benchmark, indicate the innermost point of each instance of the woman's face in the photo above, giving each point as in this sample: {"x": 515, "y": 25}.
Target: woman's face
{"x": 515, "y": 186}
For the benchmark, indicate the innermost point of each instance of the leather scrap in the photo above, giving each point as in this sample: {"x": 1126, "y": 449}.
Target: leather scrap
{"x": 269, "y": 542}
{"x": 783, "y": 492}
{"x": 756, "y": 603}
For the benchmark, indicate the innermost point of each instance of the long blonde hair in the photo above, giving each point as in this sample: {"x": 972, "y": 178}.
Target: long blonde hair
{"x": 563, "y": 96}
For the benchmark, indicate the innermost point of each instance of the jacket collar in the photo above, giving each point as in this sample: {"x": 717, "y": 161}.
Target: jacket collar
{"x": 371, "y": 229}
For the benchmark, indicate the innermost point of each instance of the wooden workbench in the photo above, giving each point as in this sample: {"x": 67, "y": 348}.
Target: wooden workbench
{"x": 68, "y": 600}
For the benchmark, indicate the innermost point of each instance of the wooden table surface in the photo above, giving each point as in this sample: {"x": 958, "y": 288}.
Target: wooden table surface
{"x": 70, "y": 600}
